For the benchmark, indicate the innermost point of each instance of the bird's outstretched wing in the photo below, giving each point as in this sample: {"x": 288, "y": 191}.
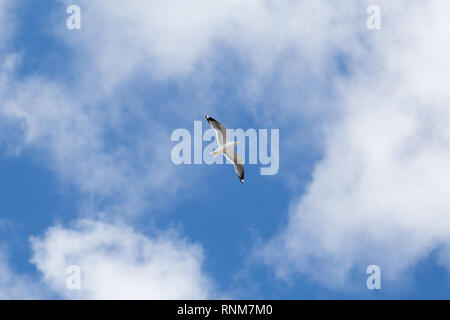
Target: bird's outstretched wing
{"x": 221, "y": 131}
{"x": 238, "y": 162}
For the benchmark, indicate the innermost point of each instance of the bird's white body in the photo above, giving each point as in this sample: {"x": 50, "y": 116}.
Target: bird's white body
{"x": 223, "y": 149}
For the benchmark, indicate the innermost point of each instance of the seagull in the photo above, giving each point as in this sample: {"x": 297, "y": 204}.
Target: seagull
{"x": 226, "y": 147}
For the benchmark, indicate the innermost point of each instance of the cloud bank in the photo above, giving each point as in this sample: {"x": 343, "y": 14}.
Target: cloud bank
{"x": 116, "y": 262}
{"x": 380, "y": 194}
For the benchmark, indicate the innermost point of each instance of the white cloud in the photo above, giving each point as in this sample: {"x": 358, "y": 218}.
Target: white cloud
{"x": 380, "y": 195}
{"x": 166, "y": 40}
{"x": 118, "y": 263}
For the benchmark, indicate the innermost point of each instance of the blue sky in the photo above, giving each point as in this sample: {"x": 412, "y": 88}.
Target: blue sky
{"x": 95, "y": 159}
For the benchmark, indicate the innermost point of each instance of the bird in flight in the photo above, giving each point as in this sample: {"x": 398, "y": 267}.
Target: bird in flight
{"x": 226, "y": 147}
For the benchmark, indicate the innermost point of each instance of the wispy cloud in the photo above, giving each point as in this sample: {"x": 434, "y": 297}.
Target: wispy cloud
{"x": 6, "y": 10}
{"x": 43, "y": 115}
{"x": 14, "y": 285}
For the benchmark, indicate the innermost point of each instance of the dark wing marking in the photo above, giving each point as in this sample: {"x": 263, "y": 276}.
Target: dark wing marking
{"x": 239, "y": 169}
{"x": 238, "y": 162}
{"x": 221, "y": 131}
